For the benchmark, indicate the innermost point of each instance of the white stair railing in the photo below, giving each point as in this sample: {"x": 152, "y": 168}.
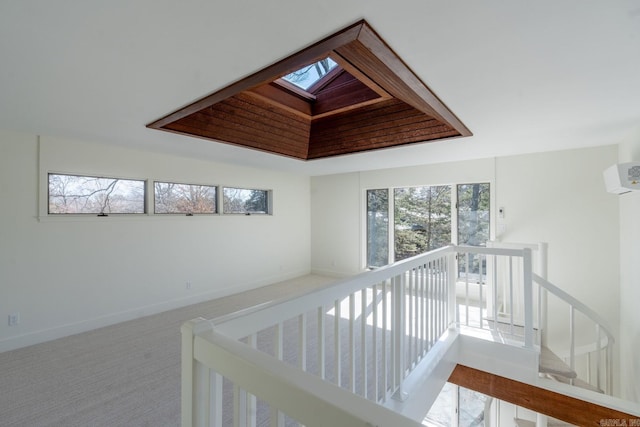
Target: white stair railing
{"x": 339, "y": 352}
{"x": 497, "y": 293}
{"x": 229, "y": 396}
{"x": 596, "y": 352}
{"x": 364, "y": 334}
{"x": 588, "y": 351}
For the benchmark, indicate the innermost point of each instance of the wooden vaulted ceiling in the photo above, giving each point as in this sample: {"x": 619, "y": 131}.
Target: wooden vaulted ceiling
{"x": 371, "y": 100}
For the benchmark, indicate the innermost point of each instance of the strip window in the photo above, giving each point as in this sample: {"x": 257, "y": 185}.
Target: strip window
{"x": 79, "y": 194}
{"x": 186, "y": 199}
{"x": 246, "y": 201}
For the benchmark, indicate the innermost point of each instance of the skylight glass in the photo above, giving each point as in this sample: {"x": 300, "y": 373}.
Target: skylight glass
{"x": 307, "y": 76}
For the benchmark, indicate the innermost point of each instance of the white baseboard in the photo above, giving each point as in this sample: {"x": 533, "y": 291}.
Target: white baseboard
{"x": 61, "y": 331}
{"x": 331, "y": 273}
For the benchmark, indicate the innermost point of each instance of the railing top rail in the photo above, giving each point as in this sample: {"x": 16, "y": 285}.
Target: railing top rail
{"x": 242, "y": 323}
{"x": 306, "y": 397}
{"x": 595, "y": 317}
{"x": 514, "y": 245}
{"x": 517, "y": 252}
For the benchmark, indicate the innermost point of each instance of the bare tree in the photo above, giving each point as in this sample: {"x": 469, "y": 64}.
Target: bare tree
{"x": 84, "y": 194}
{"x": 184, "y": 198}
{"x": 321, "y": 67}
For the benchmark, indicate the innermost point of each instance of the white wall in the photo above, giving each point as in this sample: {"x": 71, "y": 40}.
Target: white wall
{"x": 335, "y": 229}
{"x": 560, "y": 198}
{"x": 65, "y": 275}
{"x": 555, "y": 197}
{"x": 630, "y": 283}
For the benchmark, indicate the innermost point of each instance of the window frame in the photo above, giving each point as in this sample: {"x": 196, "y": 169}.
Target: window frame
{"x": 368, "y": 226}
{"x": 391, "y": 214}
{"x": 47, "y": 196}
{"x": 451, "y": 208}
{"x": 269, "y": 201}
{"x": 45, "y": 214}
{"x": 309, "y": 89}
{"x": 216, "y": 198}
{"x": 478, "y": 279}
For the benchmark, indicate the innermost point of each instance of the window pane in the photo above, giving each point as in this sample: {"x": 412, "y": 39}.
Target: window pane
{"x": 473, "y": 227}
{"x": 309, "y": 75}
{"x": 473, "y": 214}
{"x": 443, "y": 409}
{"x": 71, "y": 194}
{"x": 377, "y": 228}
{"x": 243, "y": 201}
{"x": 422, "y": 219}
{"x": 471, "y": 406}
{"x": 172, "y": 198}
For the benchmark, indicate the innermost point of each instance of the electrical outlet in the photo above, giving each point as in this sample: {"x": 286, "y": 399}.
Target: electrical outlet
{"x": 14, "y": 319}
{"x": 187, "y": 286}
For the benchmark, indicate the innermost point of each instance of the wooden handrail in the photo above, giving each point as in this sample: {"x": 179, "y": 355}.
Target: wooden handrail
{"x": 556, "y": 405}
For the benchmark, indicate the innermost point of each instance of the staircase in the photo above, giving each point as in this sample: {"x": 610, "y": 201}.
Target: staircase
{"x": 561, "y": 369}
{"x": 376, "y": 348}
{"x": 555, "y": 368}
{"x": 595, "y": 356}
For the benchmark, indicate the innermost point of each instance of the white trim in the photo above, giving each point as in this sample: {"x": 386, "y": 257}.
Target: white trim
{"x": 44, "y": 335}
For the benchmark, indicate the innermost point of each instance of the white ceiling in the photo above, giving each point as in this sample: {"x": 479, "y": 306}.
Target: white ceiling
{"x": 524, "y": 76}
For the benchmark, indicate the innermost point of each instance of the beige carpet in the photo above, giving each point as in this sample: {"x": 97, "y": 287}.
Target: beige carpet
{"x": 122, "y": 375}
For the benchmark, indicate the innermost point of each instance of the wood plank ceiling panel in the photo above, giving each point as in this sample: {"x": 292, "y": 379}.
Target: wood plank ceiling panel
{"x": 249, "y": 122}
{"x": 371, "y": 100}
{"x": 344, "y": 91}
{"x": 386, "y": 124}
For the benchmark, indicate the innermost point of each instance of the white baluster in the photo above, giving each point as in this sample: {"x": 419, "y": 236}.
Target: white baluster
{"x": 321, "y": 342}
{"x": 352, "y": 344}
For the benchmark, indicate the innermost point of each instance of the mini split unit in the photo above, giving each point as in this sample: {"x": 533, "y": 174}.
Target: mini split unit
{"x": 622, "y": 178}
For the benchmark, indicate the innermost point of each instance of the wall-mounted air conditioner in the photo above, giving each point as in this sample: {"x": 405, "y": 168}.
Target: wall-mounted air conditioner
{"x": 622, "y": 178}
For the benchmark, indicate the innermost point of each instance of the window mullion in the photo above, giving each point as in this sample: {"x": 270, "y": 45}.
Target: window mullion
{"x": 454, "y": 214}
{"x": 392, "y": 225}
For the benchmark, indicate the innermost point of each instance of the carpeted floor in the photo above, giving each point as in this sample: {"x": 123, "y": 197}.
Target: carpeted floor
{"x": 122, "y": 375}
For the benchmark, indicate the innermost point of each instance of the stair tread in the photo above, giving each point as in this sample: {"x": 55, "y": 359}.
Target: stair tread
{"x": 578, "y": 383}
{"x": 524, "y": 423}
{"x": 550, "y": 363}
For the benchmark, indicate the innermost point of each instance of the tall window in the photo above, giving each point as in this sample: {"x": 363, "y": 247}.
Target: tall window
{"x": 377, "y": 228}
{"x": 423, "y": 219}
{"x": 473, "y": 228}
{"x": 74, "y": 194}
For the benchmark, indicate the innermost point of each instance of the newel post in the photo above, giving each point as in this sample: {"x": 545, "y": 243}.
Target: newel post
{"x": 186, "y": 374}
{"x": 188, "y": 383}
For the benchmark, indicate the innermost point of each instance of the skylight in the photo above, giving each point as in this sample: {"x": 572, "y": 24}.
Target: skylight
{"x": 359, "y": 96}
{"x": 309, "y": 75}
